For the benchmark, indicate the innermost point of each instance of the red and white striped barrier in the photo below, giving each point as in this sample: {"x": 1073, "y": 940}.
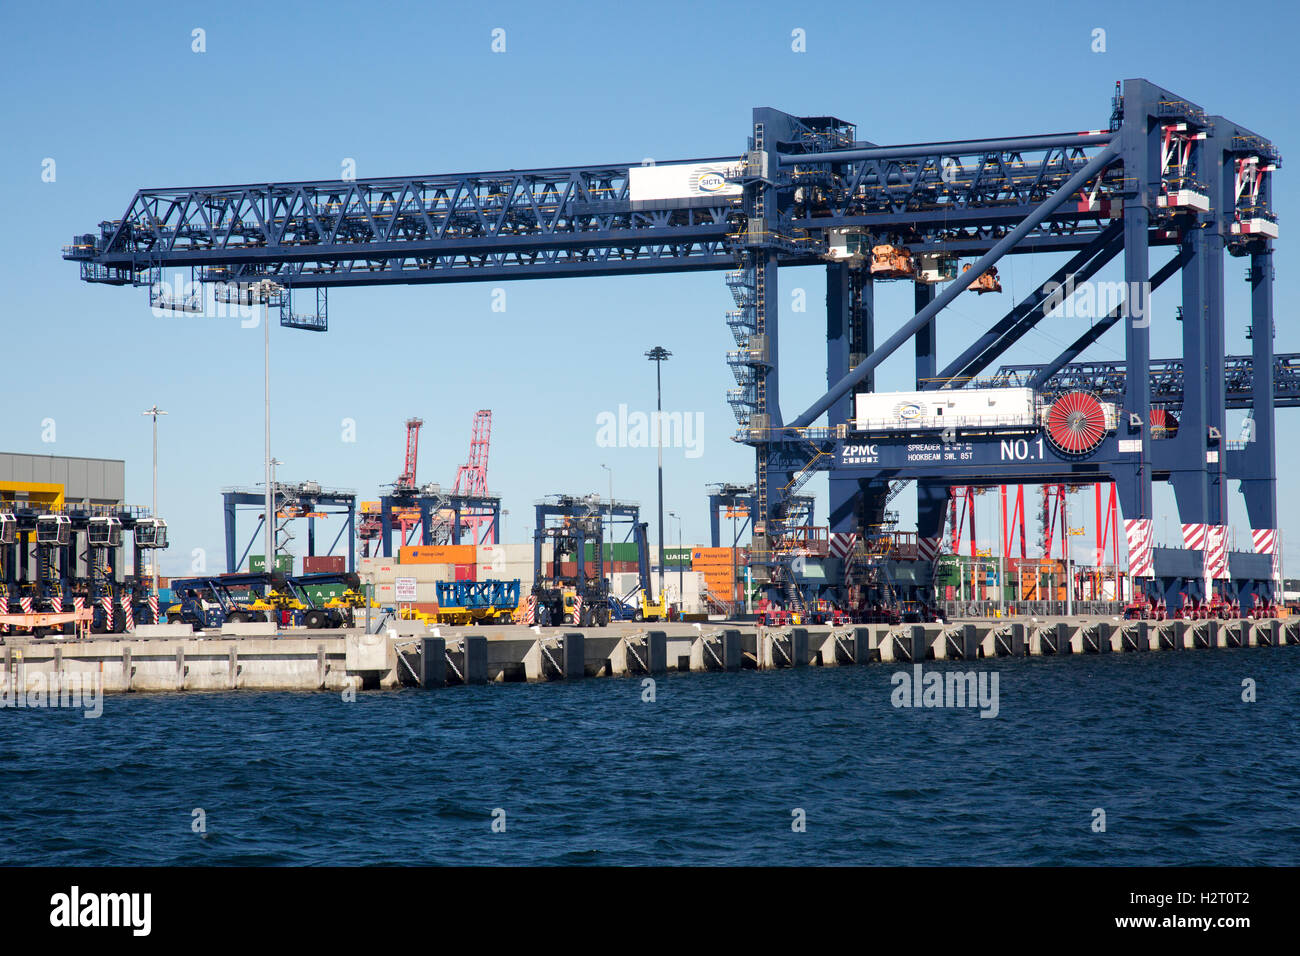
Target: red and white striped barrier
{"x": 153, "y": 608}
{"x": 1138, "y": 533}
{"x": 577, "y": 610}
{"x": 128, "y": 614}
{"x": 530, "y": 610}
{"x": 107, "y": 604}
{"x": 840, "y": 543}
{"x": 1216, "y": 552}
{"x": 927, "y": 549}
{"x": 56, "y": 604}
{"x": 1264, "y": 540}
{"x": 1194, "y": 536}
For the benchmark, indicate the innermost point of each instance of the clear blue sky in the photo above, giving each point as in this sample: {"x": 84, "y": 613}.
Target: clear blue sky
{"x": 115, "y": 95}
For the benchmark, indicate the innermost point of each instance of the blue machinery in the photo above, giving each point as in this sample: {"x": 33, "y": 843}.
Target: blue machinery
{"x": 737, "y": 502}
{"x": 305, "y": 499}
{"x": 807, "y": 190}
{"x": 440, "y": 519}
{"x": 49, "y": 560}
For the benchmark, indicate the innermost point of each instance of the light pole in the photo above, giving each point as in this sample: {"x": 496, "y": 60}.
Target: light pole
{"x": 609, "y": 532}
{"x": 263, "y": 292}
{"x": 155, "y": 411}
{"x": 275, "y": 532}
{"x": 735, "y": 542}
{"x": 681, "y": 574}
{"x": 1069, "y": 553}
{"x": 659, "y": 355}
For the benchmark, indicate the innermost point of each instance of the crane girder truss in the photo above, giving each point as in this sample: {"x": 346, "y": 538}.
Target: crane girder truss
{"x": 533, "y": 223}
{"x": 577, "y": 221}
{"x": 958, "y": 201}
{"x": 807, "y": 191}
{"x": 1107, "y": 380}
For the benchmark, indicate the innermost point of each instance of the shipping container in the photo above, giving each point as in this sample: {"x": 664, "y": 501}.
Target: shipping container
{"x": 465, "y": 572}
{"x": 378, "y": 566}
{"x": 437, "y": 554}
{"x": 320, "y": 593}
{"x": 620, "y": 550}
{"x": 324, "y": 564}
{"x": 257, "y": 563}
{"x": 717, "y": 557}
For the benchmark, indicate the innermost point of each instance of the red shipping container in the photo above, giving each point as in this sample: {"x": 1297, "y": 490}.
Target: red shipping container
{"x": 324, "y": 564}
{"x": 466, "y": 572}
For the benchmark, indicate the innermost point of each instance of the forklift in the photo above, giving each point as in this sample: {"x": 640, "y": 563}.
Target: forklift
{"x": 211, "y": 600}
{"x": 338, "y": 611}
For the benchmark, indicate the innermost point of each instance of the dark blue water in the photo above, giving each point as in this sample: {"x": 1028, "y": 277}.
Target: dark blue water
{"x": 707, "y": 774}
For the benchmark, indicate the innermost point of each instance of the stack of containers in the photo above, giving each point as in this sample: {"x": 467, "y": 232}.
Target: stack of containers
{"x": 429, "y": 564}
{"x": 719, "y": 567}
{"x": 514, "y": 561}
{"x": 433, "y": 563}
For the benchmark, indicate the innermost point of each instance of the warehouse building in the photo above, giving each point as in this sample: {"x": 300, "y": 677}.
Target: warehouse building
{"x": 56, "y": 480}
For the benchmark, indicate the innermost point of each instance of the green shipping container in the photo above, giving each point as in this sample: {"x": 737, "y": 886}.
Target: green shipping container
{"x": 257, "y": 563}
{"x": 675, "y": 556}
{"x": 623, "y": 551}
{"x": 320, "y": 593}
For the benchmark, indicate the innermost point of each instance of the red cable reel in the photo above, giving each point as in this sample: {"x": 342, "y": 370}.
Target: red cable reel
{"x": 1076, "y": 423}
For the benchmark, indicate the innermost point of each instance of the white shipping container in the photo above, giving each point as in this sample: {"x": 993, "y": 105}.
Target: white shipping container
{"x": 522, "y": 571}
{"x": 523, "y": 552}
{"x": 491, "y": 560}
{"x": 946, "y": 408}
{"x": 374, "y": 565}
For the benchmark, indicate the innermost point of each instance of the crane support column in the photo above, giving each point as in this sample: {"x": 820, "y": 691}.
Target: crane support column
{"x": 850, "y": 337}
{"x": 1259, "y": 452}
{"x": 1138, "y": 138}
{"x": 1187, "y": 449}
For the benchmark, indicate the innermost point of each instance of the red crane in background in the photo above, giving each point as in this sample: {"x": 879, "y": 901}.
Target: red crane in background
{"x": 371, "y": 526}
{"x": 408, "y": 518}
{"x": 405, "y": 484}
{"x": 471, "y": 480}
{"x": 471, "y": 477}
{"x": 961, "y": 510}
{"x": 1015, "y": 524}
{"x": 1053, "y": 517}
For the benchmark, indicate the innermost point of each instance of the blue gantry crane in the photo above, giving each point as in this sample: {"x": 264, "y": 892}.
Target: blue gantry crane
{"x": 1162, "y": 175}
{"x": 304, "y": 499}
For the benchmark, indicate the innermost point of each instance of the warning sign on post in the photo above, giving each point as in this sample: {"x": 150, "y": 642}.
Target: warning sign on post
{"x": 404, "y": 589}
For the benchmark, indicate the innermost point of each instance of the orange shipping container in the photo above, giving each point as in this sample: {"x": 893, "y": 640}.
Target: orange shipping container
{"x": 437, "y": 554}
{"x": 710, "y": 555}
